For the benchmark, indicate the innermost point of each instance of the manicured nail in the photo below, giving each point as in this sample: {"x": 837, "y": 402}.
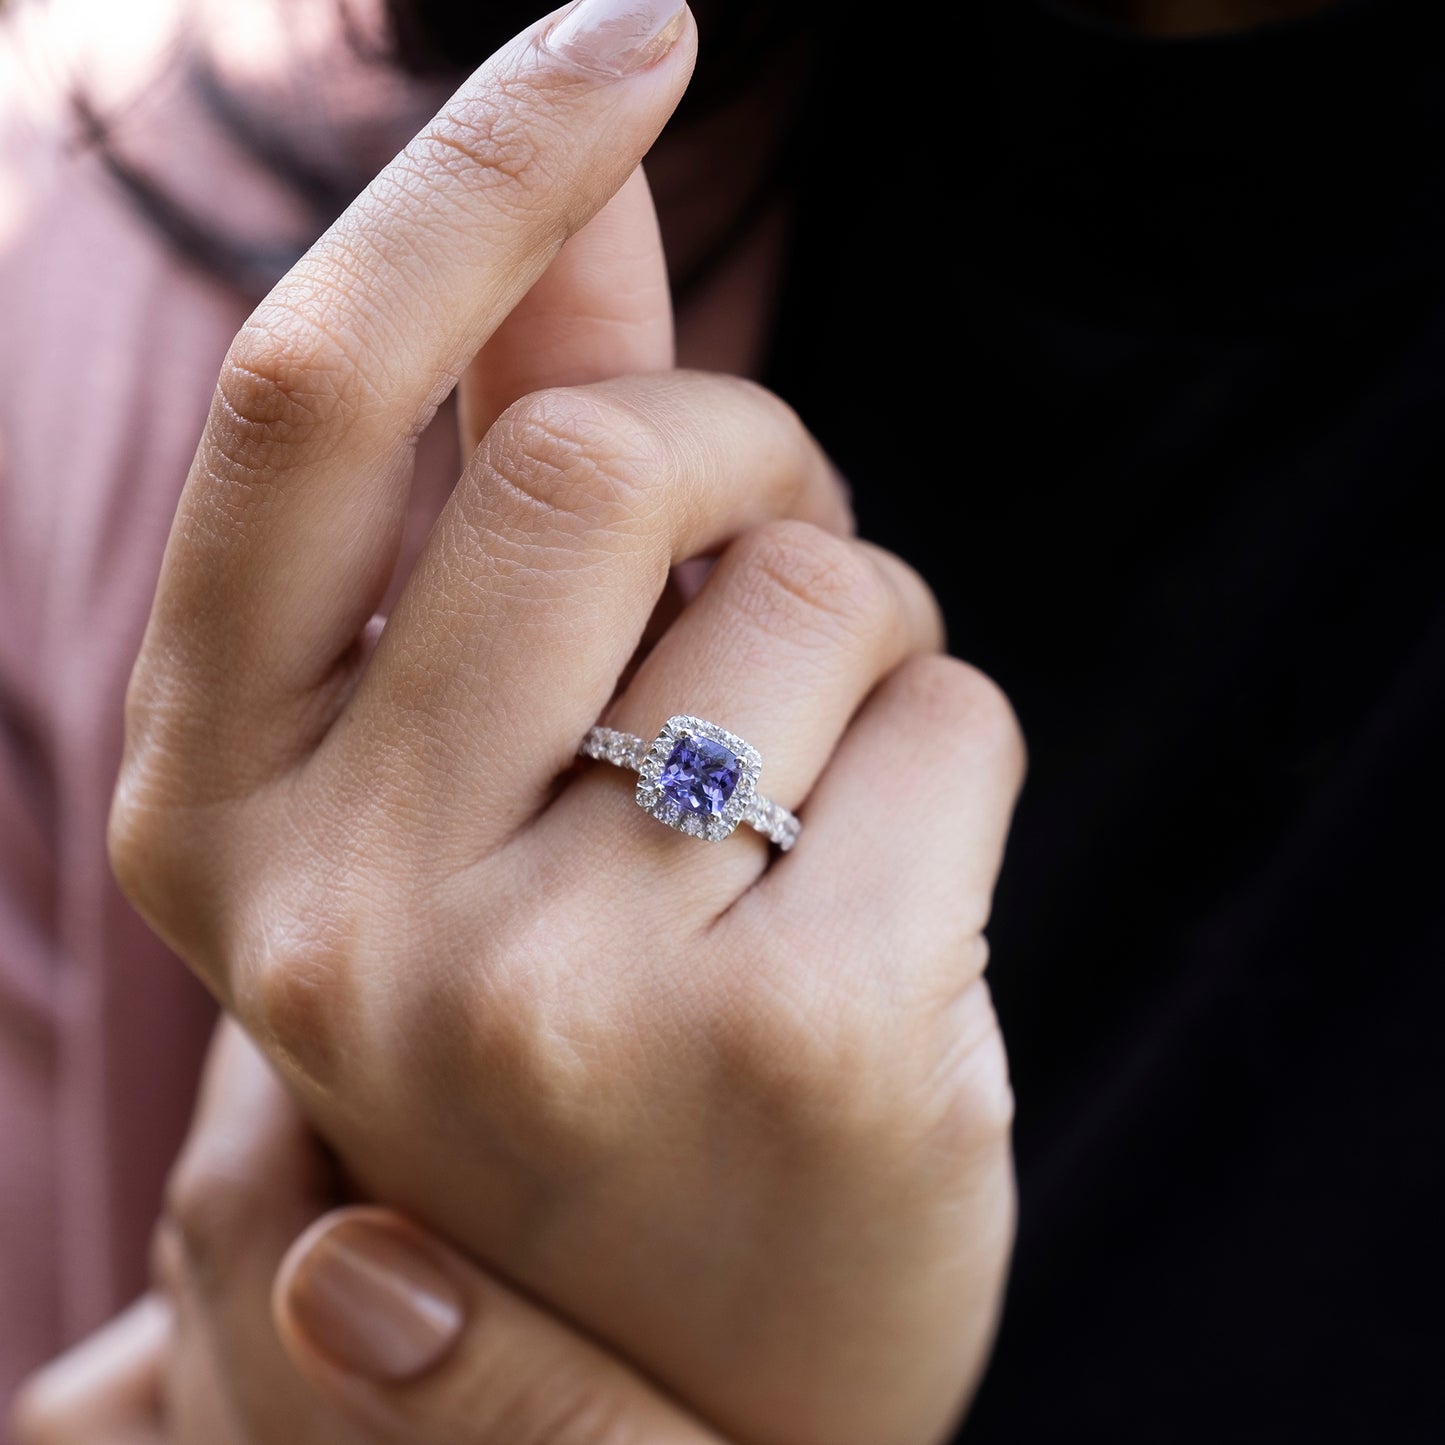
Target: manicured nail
{"x": 371, "y": 1298}
{"x": 616, "y": 37}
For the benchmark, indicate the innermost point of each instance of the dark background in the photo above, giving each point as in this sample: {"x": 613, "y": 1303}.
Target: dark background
{"x": 1137, "y": 349}
{"x": 1172, "y": 452}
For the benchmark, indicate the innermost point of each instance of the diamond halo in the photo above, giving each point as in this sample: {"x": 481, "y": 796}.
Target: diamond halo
{"x": 697, "y": 778}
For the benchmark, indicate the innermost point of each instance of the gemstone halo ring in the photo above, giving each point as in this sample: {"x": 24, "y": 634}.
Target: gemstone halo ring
{"x": 696, "y": 777}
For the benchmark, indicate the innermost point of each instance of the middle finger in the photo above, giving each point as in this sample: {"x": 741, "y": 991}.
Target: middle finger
{"x": 537, "y": 583}
{"x": 794, "y": 629}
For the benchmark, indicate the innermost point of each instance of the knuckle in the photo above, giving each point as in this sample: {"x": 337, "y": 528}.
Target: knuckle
{"x": 793, "y": 577}
{"x": 548, "y": 1077}
{"x": 953, "y": 694}
{"x": 211, "y": 1212}
{"x": 168, "y": 851}
{"x": 569, "y": 456}
{"x": 493, "y": 143}
{"x": 131, "y": 840}
{"x": 287, "y": 388}
{"x": 297, "y": 993}
{"x": 156, "y": 855}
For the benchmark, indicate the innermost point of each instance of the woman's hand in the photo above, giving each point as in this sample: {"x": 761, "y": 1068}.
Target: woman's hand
{"x": 375, "y": 1333}
{"x": 745, "y": 1122}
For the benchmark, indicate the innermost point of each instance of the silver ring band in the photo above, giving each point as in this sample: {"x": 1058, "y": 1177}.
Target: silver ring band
{"x": 696, "y": 777}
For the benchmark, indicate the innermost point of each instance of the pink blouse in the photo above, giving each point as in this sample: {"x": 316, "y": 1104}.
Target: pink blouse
{"x": 109, "y": 349}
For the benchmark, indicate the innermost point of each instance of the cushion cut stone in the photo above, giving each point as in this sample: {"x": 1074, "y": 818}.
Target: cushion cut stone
{"x": 699, "y": 775}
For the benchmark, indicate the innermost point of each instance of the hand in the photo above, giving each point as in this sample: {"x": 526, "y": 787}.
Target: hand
{"x": 378, "y": 1334}
{"x": 745, "y": 1122}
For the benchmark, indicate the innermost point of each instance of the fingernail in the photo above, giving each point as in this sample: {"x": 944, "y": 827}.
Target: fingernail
{"x": 372, "y": 1300}
{"x": 617, "y": 37}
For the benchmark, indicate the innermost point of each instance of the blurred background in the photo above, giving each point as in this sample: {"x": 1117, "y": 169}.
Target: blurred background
{"x": 1159, "y": 292}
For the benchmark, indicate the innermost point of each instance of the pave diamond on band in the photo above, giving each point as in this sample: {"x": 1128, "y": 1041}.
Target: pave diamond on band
{"x": 696, "y": 777}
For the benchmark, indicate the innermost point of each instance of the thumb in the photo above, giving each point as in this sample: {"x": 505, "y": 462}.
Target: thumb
{"x": 410, "y": 1340}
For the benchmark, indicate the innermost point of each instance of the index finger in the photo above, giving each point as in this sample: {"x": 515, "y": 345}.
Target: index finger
{"x": 288, "y": 527}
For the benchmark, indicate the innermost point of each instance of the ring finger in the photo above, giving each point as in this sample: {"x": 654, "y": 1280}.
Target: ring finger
{"x": 793, "y": 630}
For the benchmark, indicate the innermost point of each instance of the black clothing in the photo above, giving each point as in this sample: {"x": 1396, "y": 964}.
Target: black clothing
{"x": 1190, "y": 419}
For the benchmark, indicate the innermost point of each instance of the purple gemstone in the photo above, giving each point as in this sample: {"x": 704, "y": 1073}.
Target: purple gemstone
{"x": 699, "y": 775}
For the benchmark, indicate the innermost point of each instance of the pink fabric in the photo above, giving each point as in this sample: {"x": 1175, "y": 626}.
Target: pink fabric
{"x": 108, "y": 357}
{"x": 109, "y": 349}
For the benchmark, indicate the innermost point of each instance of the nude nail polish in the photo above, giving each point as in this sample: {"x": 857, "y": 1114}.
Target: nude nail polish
{"x": 617, "y": 37}
{"x": 370, "y": 1298}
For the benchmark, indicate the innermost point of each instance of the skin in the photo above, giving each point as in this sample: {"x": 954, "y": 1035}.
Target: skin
{"x": 214, "y": 1353}
{"x": 740, "y": 1120}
